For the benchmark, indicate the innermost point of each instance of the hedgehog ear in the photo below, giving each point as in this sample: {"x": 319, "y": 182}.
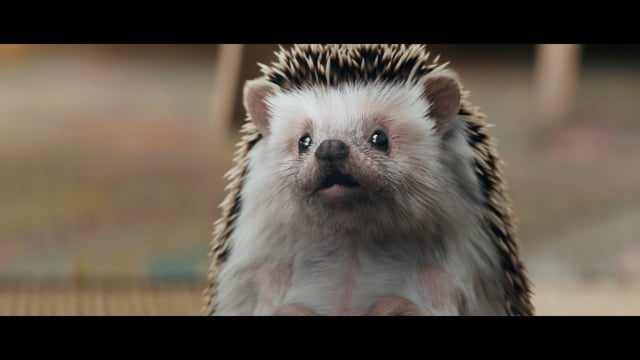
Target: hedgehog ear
{"x": 255, "y": 95}
{"x": 442, "y": 91}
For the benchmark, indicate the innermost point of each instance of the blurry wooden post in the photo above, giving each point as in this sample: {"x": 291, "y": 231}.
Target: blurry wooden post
{"x": 556, "y": 76}
{"x": 225, "y": 91}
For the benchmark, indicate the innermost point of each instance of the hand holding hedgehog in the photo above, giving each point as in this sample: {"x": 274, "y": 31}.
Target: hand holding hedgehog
{"x": 364, "y": 185}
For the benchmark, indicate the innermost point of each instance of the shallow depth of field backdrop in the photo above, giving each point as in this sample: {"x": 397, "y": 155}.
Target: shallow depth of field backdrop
{"x": 112, "y": 157}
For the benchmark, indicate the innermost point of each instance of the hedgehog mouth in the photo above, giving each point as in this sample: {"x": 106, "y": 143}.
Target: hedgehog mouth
{"x": 337, "y": 178}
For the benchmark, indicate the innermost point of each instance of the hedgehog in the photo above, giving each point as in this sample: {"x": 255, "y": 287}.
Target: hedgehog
{"x": 365, "y": 184}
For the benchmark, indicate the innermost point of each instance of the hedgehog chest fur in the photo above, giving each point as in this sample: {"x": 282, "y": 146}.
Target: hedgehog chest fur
{"x": 343, "y": 282}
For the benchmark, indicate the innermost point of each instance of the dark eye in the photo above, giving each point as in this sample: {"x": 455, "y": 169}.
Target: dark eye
{"x": 379, "y": 140}
{"x": 304, "y": 143}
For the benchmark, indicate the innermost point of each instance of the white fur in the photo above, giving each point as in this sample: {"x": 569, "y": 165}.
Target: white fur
{"x": 336, "y": 272}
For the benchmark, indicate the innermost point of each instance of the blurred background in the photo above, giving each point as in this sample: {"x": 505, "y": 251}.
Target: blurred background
{"x": 112, "y": 160}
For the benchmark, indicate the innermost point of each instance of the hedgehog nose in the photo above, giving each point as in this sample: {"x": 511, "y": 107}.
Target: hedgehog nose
{"x": 332, "y": 150}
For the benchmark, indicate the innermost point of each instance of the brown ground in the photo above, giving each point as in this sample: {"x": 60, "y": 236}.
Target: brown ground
{"x": 135, "y": 298}
{"x": 593, "y": 298}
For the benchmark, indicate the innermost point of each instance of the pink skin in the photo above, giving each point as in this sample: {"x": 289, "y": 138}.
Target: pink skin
{"x": 434, "y": 286}
{"x": 395, "y": 306}
{"x": 293, "y": 310}
{"x": 439, "y": 292}
{"x": 272, "y": 282}
{"x": 350, "y": 286}
{"x": 388, "y": 306}
{"x": 337, "y": 192}
{"x": 340, "y": 197}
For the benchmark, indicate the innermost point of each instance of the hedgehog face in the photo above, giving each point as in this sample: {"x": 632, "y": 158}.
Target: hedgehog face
{"x": 357, "y": 150}
{"x": 352, "y": 147}
{"x": 349, "y": 145}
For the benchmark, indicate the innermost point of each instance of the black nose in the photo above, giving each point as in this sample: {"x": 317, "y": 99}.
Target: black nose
{"x": 332, "y": 150}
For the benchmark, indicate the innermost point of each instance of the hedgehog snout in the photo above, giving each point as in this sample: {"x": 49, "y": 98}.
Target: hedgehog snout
{"x": 332, "y": 151}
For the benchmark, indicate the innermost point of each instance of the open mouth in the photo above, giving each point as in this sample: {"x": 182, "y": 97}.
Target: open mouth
{"x": 337, "y": 178}
{"x": 339, "y": 190}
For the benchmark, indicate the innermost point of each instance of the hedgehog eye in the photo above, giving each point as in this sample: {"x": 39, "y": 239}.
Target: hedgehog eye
{"x": 304, "y": 143}
{"x": 379, "y": 140}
